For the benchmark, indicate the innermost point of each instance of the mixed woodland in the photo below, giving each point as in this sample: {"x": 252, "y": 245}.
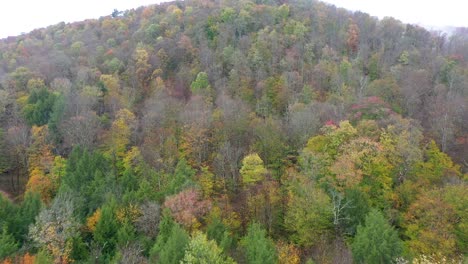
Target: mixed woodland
{"x": 250, "y": 131}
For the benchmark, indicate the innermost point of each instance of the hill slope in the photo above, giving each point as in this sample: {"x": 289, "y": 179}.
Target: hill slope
{"x": 283, "y": 130}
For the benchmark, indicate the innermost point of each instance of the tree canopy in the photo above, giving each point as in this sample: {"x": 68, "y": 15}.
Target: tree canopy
{"x": 242, "y": 131}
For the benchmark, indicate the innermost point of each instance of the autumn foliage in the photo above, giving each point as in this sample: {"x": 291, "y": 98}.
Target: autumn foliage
{"x": 188, "y": 207}
{"x": 234, "y": 131}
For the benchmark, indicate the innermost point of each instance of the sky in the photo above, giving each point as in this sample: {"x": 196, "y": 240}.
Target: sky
{"x": 428, "y": 13}
{"x": 22, "y": 16}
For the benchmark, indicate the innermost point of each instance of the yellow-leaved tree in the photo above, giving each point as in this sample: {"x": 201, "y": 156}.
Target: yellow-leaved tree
{"x": 120, "y": 133}
{"x": 253, "y": 170}
{"x": 45, "y": 170}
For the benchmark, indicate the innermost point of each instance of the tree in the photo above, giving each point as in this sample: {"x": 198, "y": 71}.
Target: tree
{"x": 39, "y": 107}
{"x": 287, "y": 253}
{"x": 55, "y": 228}
{"x": 142, "y": 67}
{"x": 130, "y": 253}
{"x": 110, "y": 86}
{"x": 270, "y": 143}
{"x": 126, "y": 234}
{"x": 120, "y": 133}
{"x": 44, "y": 172}
{"x": 352, "y": 40}
{"x": 259, "y": 249}
{"x": 149, "y": 219}
{"x": 207, "y": 182}
{"x": 80, "y": 130}
{"x": 357, "y": 209}
{"x": 116, "y": 13}
{"x": 26, "y": 216}
{"x": 252, "y": 170}
{"x": 218, "y": 231}
{"x": 20, "y": 77}
{"x": 430, "y": 225}
{"x": 85, "y": 179}
{"x": 18, "y": 141}
{"x": 187, "y": 207}
{"x": 438, "y": 167}
{"x": 201, "y": 85}
{"x": 172, "y": 250}
{"x": 377, "y": 241}
{"x": 264, "y": 205}
{"x": 164, "y": 232}
{"x": 105, "y": 233}
{"x": 40, "y": 152}
{"x": 40, "y": 183}
{"x": 4, "y": 157}
{"x": 200, "y": 250}
{"x": 183, "y": 177}
{"x": 309, "y": 213}
{"x": 8, "y": 245}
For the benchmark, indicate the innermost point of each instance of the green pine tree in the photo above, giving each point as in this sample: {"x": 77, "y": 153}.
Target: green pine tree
{"x": 8, "y": 245}
{"x": 173, "y": 250}
{"x": 165, "y": 229}
{"x": 376, "y": 241}
{"x": 259, "y": 249}
{"x": 26, "y": 215}
{"x": 126, "y": 234}
{"x": 106, "y": 230}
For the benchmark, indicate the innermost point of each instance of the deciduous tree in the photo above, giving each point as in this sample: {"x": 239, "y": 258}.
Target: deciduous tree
{"x": 201, "y": 250}
{"x": 252, "y": 170}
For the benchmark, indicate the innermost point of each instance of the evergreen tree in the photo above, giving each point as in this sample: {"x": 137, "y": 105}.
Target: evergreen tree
{"x": 4, "y": 155}
{"x": 173, "y": 250}
{"x": 26, "y": 214}
{"x": 183, "y": 176}
{"x": 40, "y": 107}
{"x": 55, "y": 119}
{"x": 165, "y": 229}
{"x": 8, "y": 245}
{"x": 106, "y": 230}
{"x": 355, "y": 214}
{"x": 376, "y": 241}
{"x": 85, "y": 178}
{"x": 126, "y": 234}
{"x": 259, "y": 249}
{"x": 219, "y": 232}
{"x": 8, "y": 212}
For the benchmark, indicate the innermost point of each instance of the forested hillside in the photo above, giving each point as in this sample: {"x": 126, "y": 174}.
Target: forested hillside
{"x": 250, "y": 131}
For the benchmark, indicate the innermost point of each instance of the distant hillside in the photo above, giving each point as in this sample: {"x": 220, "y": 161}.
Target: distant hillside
{"x": 250, "y": 131}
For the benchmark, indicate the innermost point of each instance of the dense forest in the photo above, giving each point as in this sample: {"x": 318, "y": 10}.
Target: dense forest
{"x": 250, "y": 131}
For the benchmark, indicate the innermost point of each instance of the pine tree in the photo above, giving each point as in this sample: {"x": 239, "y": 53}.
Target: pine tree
{"x": 173, "y": 250}
{"x": 259, "y": 249}
{"x": 8, "y": 245}
{"x": 26, "y": 214}
{"x": 376, "y": 241}
{"x": 106, "y": 230}
{"x": 165, "y": 229}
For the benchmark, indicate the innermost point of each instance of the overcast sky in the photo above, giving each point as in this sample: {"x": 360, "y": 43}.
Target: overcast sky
{"x": 18, "y": 16}
{"x": 423, "y": 12}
